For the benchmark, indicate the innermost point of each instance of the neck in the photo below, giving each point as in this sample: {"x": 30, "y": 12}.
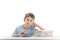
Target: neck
{"x": 26, "y": 27}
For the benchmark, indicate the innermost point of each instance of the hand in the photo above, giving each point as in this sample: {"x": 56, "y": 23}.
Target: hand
{"x": 35, "y": 25}
{"x": 23, "y": 31}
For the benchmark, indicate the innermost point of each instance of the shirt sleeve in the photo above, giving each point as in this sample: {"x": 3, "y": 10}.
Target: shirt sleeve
{"x": 17, "y": 30}
{"x": 15, "y": 34}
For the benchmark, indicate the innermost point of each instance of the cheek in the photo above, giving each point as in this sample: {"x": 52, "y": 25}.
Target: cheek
{"x": 25, "y": 21}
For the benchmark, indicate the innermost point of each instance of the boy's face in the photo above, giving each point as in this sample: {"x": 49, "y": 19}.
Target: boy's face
{"x": 29, "y": 21}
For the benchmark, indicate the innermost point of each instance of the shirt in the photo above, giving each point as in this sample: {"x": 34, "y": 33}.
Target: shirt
{"x": 28, "y": 33}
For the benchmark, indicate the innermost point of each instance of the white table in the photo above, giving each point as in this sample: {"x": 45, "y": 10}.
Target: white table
{"x": 30, "y": 38}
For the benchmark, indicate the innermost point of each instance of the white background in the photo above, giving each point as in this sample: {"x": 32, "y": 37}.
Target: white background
{"x": 12, "y": 13}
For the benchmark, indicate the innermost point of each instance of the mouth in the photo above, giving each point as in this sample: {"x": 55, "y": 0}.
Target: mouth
{"x": 28, "y": 24}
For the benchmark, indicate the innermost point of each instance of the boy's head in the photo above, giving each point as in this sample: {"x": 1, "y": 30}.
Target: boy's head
{"x": 29, "y": 19}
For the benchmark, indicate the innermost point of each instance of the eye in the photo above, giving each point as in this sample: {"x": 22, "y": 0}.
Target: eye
{"x": 27, "y": 19}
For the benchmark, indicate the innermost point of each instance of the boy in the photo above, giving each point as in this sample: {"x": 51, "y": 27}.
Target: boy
{"x": 27, "y": 29}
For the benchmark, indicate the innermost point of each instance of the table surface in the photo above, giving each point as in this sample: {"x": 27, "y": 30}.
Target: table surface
{"x": 30, "y": 38}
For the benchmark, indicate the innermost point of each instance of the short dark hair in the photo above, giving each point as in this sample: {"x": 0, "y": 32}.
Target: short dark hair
{"x": 29, "y": 14}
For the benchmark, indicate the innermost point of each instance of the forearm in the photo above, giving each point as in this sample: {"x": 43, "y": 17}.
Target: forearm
{"x": 16, "y": 35}
{"x": 41, "y": 27}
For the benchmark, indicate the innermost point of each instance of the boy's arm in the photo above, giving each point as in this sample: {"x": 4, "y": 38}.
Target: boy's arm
{"x": 15, "y": 34}
{"x": 40, "y": 27}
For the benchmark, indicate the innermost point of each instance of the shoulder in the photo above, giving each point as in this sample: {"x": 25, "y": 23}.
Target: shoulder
{"x": 21, "y": 26}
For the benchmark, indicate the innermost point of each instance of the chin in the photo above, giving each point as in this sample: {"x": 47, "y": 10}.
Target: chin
{"x": 29, "y": 25}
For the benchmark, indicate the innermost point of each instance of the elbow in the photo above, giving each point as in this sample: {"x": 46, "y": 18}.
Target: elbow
{"x": 15, "y": 35}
